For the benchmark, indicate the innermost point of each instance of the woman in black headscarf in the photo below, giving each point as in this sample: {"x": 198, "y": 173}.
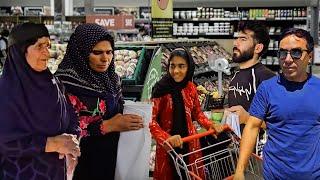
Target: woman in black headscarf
{"x": 34, "y": 113}
{"x": 175, "y": 106}
{"x": 88, "y": 73}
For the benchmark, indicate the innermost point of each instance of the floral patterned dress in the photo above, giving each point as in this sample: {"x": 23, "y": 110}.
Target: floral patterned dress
{"x": 161, "y": 125}
{"x": 98, "y": 150}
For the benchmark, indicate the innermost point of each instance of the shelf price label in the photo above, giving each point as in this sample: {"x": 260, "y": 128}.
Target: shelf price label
{"x": 112, "y": 22}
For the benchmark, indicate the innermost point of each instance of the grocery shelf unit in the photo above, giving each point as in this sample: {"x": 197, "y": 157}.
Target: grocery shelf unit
{"x": 10, "y": 21}
{"x": 134, "y": 91}
{"x": 48, "y": 20}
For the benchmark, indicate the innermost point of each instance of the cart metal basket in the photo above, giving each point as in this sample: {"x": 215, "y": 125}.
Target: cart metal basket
{"x": 216, "y": 165}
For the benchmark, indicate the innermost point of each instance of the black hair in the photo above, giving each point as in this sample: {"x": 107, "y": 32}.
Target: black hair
{"x": 260, "y": 33}
{"x": 4, "y": 33}
{"x": 301, "y": 33}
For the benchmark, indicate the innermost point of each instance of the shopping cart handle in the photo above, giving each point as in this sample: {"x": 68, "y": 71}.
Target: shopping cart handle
{"x": 225, "y": 127}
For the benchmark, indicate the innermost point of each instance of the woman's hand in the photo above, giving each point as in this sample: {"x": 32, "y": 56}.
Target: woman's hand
{"x": 174, "y": 141}
{"x": 63, "y": 144}
{"x": 71, "y": 163}
{"x": 125, "y": 122}
{"x": 217, "y": 128}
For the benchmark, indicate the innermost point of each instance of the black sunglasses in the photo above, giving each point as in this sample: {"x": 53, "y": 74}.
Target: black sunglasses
{"x": 295, "y": 53}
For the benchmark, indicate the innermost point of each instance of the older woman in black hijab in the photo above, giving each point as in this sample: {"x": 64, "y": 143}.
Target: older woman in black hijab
{"x": 88, "y": 73}
{"x": 37, "y": 123}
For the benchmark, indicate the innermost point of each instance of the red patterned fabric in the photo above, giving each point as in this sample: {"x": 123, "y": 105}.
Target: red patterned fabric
{"x": 86, "y": 120}
{"x": 161, "y": 124}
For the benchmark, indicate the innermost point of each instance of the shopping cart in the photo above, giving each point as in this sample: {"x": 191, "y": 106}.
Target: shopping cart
{"x": 216, "y": 165}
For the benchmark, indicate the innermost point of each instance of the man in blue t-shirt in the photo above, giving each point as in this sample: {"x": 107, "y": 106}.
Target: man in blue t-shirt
{"x": 287, "y": 103}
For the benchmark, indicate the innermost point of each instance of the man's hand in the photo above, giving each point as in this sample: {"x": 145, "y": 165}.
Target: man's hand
{"x": 238, "y": 176}
{"x": 241, "y": 112}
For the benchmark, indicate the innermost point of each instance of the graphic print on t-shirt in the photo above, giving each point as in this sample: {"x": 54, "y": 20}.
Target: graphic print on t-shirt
{"x": 241, "y": 90}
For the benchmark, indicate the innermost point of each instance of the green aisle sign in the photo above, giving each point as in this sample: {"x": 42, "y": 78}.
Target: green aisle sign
{"x": 153, "y": 75}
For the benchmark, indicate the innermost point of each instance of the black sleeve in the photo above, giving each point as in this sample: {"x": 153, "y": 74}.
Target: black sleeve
{"x": 73, "y": 127}
{"x": 94, "y": 128}
{"x": 266, "y": 74}
{"x": 31, "y": 145}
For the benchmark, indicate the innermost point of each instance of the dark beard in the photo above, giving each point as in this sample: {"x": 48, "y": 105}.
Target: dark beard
{"x": 244, "y": 56}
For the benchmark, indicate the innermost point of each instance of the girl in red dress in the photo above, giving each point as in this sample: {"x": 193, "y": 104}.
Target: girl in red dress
{"x": 175, "y": 106}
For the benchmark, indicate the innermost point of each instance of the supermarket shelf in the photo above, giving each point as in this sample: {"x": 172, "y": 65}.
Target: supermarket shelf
{"x": 39, "y": 19}
{"x": 25, "y": 16}
{"x": 35, "y": 16}
{"x": 238, "y": 19}
{"x": 127, "y": 31}
{"x": 206, "y": 19}
{"x": 245, "y": 3}
{"x": 75, "y": 17}
{"x": 203, "y": 34}
{"x": 280, "y": 19}
{"x": 142, "y": 21}
{"x": 155, "y": 42}
{"x": 208, "y": 70}
{"x": 132, "y": 88}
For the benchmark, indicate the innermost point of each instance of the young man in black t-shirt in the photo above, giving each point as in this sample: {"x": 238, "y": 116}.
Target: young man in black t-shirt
{"x": 250, "y": 44}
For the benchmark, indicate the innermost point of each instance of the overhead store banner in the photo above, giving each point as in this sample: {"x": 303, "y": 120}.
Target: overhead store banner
{"x": 162, "y": 15}
{"x": 112, "y": 22}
